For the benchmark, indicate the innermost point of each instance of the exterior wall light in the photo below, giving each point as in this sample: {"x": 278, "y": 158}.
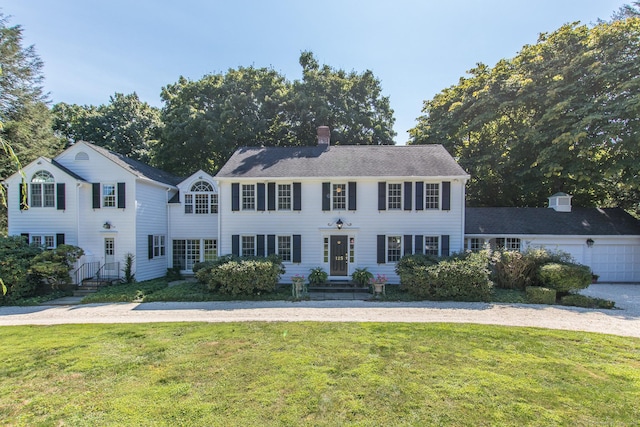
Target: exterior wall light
{"x": 590, "y": 242}
{"x": 339, "y": 224}
{"x": 107, "y": 225}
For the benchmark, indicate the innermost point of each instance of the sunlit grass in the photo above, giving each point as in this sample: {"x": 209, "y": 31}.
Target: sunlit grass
{"x": 315, "y": 374}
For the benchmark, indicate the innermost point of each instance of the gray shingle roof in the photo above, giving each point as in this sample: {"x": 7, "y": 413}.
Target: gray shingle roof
{"x": 543, "y": 221}
{"x": 139, "y": 169}
{"x": 341, "y": 161}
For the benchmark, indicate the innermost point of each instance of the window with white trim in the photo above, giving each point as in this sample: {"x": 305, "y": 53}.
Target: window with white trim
{"x": 431, "y": 245}
{"x": 43, "y": 190}
{"x": 476, "y": 244}
{"x": 201, "y": 200}
{"x": 432, "y": 196}
{"x": 248, "y": 197}
{"x": 47, "y": 241}
{"x": 394, "y": 196}
{"x": 508, "y": 243}
{"x": 284, "y": 197}
{"x": 210, "y": 247}
{"x": 158, "y": 246}
{"x": 248, "y": 246}
{"x": 108, "y": 195}
{"x": 339, "y": 197}
{"x": 394, "y": 248}
{"x": 284, "y": 247}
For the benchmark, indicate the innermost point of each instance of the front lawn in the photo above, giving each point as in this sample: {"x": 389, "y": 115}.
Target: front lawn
{"x": 316, "y": 374}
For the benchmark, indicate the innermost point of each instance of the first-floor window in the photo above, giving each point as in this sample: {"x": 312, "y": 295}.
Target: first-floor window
{"x": 476, "y": 244}
{"x": 431, "y": 245}
{"x": 284, "y": 247}
{"x": 325, "y": 250}
{"x": 158, "y": 246}
{"x": 508, "y": 244}
{"x": 394, "y": 248}
{"x": 186, "y": 253}
{"x": 248, "y": 246}
{"x": 210, "y": 249}
{"x": 46, "y": 240}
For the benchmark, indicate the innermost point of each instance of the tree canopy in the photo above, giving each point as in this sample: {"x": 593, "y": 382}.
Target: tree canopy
{"x": 563, "y": 115}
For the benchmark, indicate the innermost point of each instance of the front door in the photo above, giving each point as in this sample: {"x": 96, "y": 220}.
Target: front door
{"x": 339, "y": 255}
{"x": 110, "y": 266}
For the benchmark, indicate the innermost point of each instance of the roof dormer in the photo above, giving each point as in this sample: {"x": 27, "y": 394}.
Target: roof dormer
{"x": 560, "y": 202}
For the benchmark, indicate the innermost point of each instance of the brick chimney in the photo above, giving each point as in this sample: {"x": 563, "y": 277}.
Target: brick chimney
{"x": 324, "y": 135}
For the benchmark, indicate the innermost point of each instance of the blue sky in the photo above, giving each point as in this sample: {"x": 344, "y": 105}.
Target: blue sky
{"x": 93, "y": 49}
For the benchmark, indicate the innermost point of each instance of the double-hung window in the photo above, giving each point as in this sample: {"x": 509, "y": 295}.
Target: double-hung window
{"x": 248, "y": 246}
{"x": 339, "y": 197}
{"x": 284, "y": 197}
{"x": 108, "y": 195}
{"x": 158, "y": 246}
{"x": 248, "y": 197}
{"x": 432, "y": 245}
{"x": 394, "y": 196}
{"x": 47, "y": 241}
{"x": 43, "y": 192}
{"x": 508, "y": 243}
{"x": 432, "y": 196}
{"x": 284, "y": 247}
{"x": 394, "y": 248}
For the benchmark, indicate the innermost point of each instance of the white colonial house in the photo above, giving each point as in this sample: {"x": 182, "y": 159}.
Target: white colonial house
{"x": 330, "y": 206}
{"x": 341, "y": 207}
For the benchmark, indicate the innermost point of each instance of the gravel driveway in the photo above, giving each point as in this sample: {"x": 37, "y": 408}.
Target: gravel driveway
{"x": 623, "y": 321}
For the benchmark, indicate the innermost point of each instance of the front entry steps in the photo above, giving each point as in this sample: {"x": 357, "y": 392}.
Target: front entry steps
{"x": 339, "y": 290}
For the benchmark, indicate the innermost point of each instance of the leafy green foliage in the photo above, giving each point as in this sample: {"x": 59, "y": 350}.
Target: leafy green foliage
{"x": 241, "y": 276}
{"x": 540, "y": 295}
{"x": 459, "y": 278}
{"x": 584, "y": 301}
{"x": 564, "y": 277}
{"x": 362, "y": 276}
{"x": 317, "y": 276}
{"x": 517, "y": 270}
{"x": 563, "y": 115}
{"x": 53, "y": 266}
{"x": 16, "y": 256}
{"x": 129, "y": 275}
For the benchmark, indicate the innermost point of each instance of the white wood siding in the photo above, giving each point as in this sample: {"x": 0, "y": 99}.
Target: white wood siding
{"x": 151, "y": 218}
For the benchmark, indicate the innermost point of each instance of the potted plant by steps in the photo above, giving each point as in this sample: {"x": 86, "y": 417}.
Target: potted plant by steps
{"x": 298, "y": 287}
{"x": 318, "y": 277}
{"x": 362, "y": 277}
{"x": 378, "y": 284}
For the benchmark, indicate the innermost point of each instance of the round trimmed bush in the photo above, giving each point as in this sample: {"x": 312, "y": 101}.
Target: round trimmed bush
{"x": 564, "y": 277}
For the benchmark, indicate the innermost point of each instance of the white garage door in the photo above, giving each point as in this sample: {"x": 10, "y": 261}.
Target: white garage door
{"x": 616, "y": 263}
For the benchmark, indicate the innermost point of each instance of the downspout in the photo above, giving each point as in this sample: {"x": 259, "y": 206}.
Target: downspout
{"x": 464, "y": 211}
{"x": 169, "y": 242}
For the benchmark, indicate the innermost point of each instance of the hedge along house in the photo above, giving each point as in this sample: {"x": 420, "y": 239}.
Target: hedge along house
{"x": 341, "y": 207}
{"x": 101, "y": 201}
{"x": 607, "y": 240}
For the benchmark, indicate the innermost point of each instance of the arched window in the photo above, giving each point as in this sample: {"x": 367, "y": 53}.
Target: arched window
{"x": 82, "y": 156}
{"x": 43, "y": 190}
{"x": 201, "y": 199}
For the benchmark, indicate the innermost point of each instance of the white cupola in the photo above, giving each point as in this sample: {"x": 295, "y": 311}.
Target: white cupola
{"x": 560, "y": 202}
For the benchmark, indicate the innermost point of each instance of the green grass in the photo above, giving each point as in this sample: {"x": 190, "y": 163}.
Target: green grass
{"x": 316, "y": 374}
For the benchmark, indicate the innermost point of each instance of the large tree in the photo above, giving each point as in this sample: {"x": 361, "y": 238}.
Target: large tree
{"x": 208, "y": 119}
{"x": 125, "y": 125}
{"x": 563, "y": 115}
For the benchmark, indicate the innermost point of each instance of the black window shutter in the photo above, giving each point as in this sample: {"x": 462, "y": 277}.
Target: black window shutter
{"x": 150, "y": 246}
{"x": 96, "y": 195}
{"x": 297, "y": 196}
{"x": 26, "y": 236}
{"x": 419, "y": 196}
{"x": 408, "y": 244}
{"x": 419, "y": 242}
{"x": 60, "y": 196}
{"x": 326, "y": 196}
{"x": 271, "y": 196}
{"x": 260, "y": 191}
{"x": 235, "y": 244}
{"x": 297, "y": 248}
{"x": 382, "y": 196}
{"x": 260, "y": 245}
{"x": 235, "y": 196}
{"x": 271, "y": 244}
{"x": 408, "y": 197}
{"x": 445, "y": 245}
{"x": 446, "y": 196}
{"x": 122, "y": 195}
{"x": 381, "y": 249}
{"x": 352, "y": 195}
{"x": 23, "y": 197}
{"x": 59, "y": 239}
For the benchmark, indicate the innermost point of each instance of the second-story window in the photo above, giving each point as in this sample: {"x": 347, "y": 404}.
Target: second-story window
{"x": 339, "y": 194}
{"x": 248, "y": 197}
{"x": 43, "y": 191}
{"x": 108, "y": 195}
{"x": 201, "y": 200}
{"x": 394, "y": 196}
{"x": 284, "y": 197}
{"x": 432, "y": 196}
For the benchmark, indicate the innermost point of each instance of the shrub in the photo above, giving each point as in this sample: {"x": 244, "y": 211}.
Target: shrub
{"x": 584, "y": 301}
{"x": 540, "y": 295}
{"x": 517, "y": 270}
{"x": 237, "y": 276}
{"x": 129, "y": 276}
{"x": 362, "y": 276}
{"x": 318, "y": 276}
{"x": 564, "y": 277}
{"x": 16, "y": 256}
{"x": 463, "y": 278}
{"x": 53, "y": 267}
{"x": 408, "y": 263}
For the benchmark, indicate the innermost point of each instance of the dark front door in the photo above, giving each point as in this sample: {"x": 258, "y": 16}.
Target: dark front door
{"x": 339, "y": 255}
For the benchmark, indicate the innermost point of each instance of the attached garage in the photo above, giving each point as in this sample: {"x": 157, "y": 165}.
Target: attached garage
{"x": 607, "y": 240}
